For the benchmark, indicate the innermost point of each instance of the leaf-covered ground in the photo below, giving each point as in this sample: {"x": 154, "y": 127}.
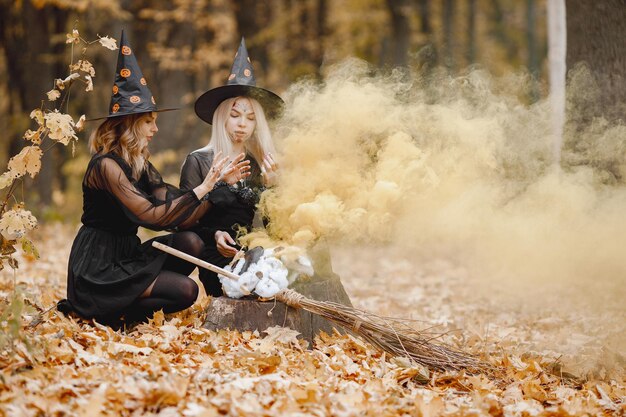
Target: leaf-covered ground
{"x": 555, "y": 361}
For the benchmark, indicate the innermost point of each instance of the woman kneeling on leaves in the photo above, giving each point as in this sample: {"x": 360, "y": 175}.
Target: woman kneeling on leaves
{"x": 111, "y": 274}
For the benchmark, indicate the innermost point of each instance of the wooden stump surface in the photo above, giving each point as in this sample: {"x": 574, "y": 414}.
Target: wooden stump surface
{"x": 249, "y": 313}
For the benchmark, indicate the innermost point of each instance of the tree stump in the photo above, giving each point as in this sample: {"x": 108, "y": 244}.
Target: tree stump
{"x": 249, "y": 313}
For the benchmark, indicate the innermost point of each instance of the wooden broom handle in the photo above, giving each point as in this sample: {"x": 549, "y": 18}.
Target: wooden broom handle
{"x": 194, "y": 260}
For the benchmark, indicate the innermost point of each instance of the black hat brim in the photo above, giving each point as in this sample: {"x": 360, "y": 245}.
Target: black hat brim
{"x": 132, "y": 112}
{"x": 208, "y": 102}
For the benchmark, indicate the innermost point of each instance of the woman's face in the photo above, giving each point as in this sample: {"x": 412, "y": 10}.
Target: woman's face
{"x": 147, "y": 128}
{"x": 241, "y": 121}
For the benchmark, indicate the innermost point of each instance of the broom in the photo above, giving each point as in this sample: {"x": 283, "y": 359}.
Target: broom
{"x": 390, "y": 335}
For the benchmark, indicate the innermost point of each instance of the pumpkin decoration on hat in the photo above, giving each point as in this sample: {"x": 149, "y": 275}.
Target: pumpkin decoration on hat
{"x": 130, "y": 92}
{"x": 241, "y": 82}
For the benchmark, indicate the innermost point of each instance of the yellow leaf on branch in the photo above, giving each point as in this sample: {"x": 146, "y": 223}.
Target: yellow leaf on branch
{"x": 28, "y": 161}
{"x": 84, "y": 66}
{"x": 37, "y": 115}
{"x": 73, "y": 37}
{"x": 33, "y": 135}
{"x": 15, "y": 223}
{"x": 53, "y": 94}
{"x": 29, "y": 248}
{"x": 80, "y": 124}
{"x": 89, "y": 83}
{"x": 108, "y": 43}
{"x": 61, "y": 127}
{"x": 62, "y": 83}
{"x": 7, "y": 178}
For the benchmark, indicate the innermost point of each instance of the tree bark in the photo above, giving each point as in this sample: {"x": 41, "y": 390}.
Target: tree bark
{"x": 424, "y": 12}
{"x": 499, "y": 31}
{"x": 400, "y": 31}
{"x": 250, "y": 16}
{"x": 251, "y": 314}
{"x": 533, "y": 55}
{"x": 448, "y": 33}
{"x": 427, "y": 57}
{"x": 471, "y": 32}
{"x": 596, "y": 31}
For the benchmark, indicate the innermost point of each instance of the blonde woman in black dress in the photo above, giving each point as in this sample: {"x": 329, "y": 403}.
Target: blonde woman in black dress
{"x": 237, "y": 113}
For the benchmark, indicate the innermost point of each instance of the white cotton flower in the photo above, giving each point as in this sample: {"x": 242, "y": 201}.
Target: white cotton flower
{"x": 248, "y": 281}
{"x": 272, "y": 274}
{"x": 265, "y": 277}
{"x": 242, "y": 286}
{"x": 267, "y": 288}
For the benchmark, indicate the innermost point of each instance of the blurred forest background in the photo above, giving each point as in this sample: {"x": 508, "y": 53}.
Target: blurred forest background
{"x": 185, "y": 47}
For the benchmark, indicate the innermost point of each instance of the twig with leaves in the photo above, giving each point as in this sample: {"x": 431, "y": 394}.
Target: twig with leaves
{"x": 53, "y": 127}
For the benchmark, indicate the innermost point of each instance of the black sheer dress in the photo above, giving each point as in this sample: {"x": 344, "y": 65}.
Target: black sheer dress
{"x": 232, "y": 207}
{"x": 109, "y": 267}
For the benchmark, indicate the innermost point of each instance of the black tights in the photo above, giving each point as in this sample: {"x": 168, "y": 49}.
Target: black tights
{"x": 173, "y": 290}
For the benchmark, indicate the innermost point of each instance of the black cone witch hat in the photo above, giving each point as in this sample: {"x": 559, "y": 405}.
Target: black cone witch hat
{"x": 241, "y": 82}
{"x": 130, "y": 94}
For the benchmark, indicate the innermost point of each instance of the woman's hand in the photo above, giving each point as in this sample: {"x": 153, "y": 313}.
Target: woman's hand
{"x": 224, "y": 244}
{"x": 269, "y": 170}
{"x": 236, "y": 170}
{"x": 212, "y": 177}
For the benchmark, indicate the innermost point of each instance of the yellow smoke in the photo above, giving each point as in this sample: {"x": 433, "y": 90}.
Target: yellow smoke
{"x": 457, "y": 166}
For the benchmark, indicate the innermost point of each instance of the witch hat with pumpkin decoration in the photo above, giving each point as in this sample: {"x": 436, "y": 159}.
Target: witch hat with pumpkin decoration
{"x": 241, "y": 82}
{"x": 130, "y": 94}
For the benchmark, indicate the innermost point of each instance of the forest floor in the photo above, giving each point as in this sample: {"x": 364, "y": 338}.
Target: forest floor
{"x": 555, "y": 361}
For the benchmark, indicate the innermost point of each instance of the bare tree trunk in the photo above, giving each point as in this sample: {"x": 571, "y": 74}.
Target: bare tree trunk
{"x": 499, "y": 31}
{"x": 533, "y": 56}
{"x": 448, "y": 33}
{"x": 400, "y": 31}
{"x": 321, "y": 31}
{"x": 556, "y": 54}
{"x": 596, "y": 33}
{"x": 251, "y": 16}
{"x": 471, "y": 32}
{"x": 428, "y": 54}
{"x": 424, "y": 11}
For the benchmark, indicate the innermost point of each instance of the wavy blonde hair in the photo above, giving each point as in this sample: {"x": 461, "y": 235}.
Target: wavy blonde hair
{"x": 120, "y": 135}
{"x": 259, "y": 143}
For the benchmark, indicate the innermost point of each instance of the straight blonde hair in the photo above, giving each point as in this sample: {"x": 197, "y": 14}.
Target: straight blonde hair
{"x": 120, "y": 135}
{"x": 259, "y": 144}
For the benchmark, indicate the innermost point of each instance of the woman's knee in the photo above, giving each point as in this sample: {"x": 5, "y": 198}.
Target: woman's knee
{"x": 189, "y": 242}
{"x": 188, "y": 290}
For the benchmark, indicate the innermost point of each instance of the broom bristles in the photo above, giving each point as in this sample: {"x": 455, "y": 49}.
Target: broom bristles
{"x": 390, "y": 335}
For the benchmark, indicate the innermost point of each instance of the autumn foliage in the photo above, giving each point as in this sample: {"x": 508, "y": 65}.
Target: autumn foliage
{"x": 52, "y": 127}
{"x": 550, "y": 362}
{"x": 173, "y": 367}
